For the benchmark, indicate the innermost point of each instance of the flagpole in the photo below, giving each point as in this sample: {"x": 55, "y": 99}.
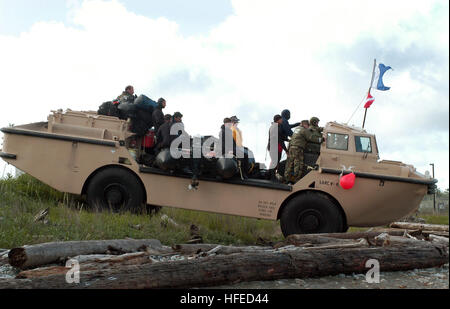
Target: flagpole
{"x": 373, "y": 73}
{"x": 364, "y": 121}
{"x": 371, "y": 82}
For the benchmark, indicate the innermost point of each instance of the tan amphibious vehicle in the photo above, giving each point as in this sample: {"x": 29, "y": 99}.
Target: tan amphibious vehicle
{"x": 89, "y": 154}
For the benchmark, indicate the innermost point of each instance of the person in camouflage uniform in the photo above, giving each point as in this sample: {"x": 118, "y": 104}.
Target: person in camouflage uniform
{"x": 300, "y": 138}
{"x": 304, "y": 124}
{"x": 127, "y": 96}
{"x": 314, "y": 126}
{"x": 316, "y": 132}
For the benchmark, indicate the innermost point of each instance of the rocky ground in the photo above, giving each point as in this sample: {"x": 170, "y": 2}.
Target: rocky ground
{"x": 6, "y": 271}
{"x": 430, "y": 278}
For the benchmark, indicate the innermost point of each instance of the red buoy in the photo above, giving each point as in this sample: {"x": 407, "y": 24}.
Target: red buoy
{"x": 347, "y": 181}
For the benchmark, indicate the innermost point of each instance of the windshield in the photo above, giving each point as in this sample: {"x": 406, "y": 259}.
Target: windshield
{"x": 362, "y": 144}
{"x": 337, "y": 141}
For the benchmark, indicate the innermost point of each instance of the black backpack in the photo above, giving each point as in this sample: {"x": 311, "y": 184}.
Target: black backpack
{"x": 141, "y": 119}
{"x": 109, "y": 109}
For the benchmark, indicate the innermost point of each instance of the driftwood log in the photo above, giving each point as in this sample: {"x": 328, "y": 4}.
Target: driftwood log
{"x": 188, "y": 249}
{"x": 398, "y": 231}
{"x": 420, "y": 226}
{"x": 216, "y": 269}
{"x": 4, "y": 257}
{"x": 91, "y": 262}
{"x": 301, "y": 239}
{"x": 439, "y": 240}
{"x": 47, "y": 253}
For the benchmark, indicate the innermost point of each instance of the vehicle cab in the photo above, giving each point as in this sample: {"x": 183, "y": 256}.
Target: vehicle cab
{"x": 347, "y": 147}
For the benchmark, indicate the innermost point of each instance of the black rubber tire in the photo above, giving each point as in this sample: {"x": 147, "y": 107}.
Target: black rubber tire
{"x": 345, "y": 228}
{"x": 153, "y": 210}
{"x": 115, "y": 189}
{"x": 310, "y": 213}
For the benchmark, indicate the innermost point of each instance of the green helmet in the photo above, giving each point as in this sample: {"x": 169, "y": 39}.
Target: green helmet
{"x": 314, "y": 121}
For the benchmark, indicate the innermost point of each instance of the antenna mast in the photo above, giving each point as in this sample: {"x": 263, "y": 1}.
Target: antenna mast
{"x": 371, "y": 82}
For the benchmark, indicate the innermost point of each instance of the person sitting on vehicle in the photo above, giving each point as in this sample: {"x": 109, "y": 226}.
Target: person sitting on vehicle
{"x": 177, "y": 131}
{"x": 227, "y": 144}
{"x": 276, "y": 140}
{"x": 177, "y": 121}
{"x": 294, "y": 164}
{"x": 163, "y": 133}
{"x": 237, "y": 133}
{"x": 242, "y": 153}
{"x": 138, "y": 108}
{"x": 127, "y": 96}
{"x": 157, "y": 115}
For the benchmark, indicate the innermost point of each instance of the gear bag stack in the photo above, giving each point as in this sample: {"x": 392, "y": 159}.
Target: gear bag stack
{"x": 109, "y": 108}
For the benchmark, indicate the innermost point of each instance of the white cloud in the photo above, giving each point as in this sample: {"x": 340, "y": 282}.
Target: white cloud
{"x": 265, "y": 57}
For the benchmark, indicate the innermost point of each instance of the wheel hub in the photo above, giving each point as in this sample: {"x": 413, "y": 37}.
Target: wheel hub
{"x": 309, "y": 221}
{"x": 115, "y": 195}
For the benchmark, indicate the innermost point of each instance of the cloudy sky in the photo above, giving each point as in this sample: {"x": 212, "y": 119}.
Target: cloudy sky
{"x": 250, "y": 58}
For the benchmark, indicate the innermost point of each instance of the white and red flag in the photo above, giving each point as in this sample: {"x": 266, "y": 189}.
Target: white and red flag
{"x": 369, "y": 100}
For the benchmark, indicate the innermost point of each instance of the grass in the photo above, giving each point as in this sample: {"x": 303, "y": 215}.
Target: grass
{"x": 435, "y": 219}
{"x": 429, "y": 219}
{"x": 68, "y": 219}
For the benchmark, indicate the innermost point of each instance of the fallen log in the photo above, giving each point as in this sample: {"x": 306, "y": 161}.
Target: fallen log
{"x": 90, "y": 257}
{"x": 352, "y": 244}
{"x": 396, "y": 236}
{"x": 439, "y": 240}
{"x": 47, "y": 253}
{"x": 385, "y": 239}
{"x": 4, "y": 258}
{"x": 412, "y": 232}
{"x": 42, "y": 272}
{"x": 299, "y": 239}
{"x": 248, "y": 266}
{"x": 437, "y": 233}
{"x": 420, "y": 226}
{"x": 304, "y": 239}
{"x": 106, "y": 258}
{"x": 189, "y": 249}
{"x": 90, "y": 262}
{"x": 316, "y": 239}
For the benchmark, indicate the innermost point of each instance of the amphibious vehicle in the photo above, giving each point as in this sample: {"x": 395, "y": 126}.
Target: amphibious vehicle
{"x": 95, "y": 156}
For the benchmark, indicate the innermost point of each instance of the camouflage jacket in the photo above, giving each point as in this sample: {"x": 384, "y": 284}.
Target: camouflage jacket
{"x": 126, "y": 98}
{"x": 303, "y": 136}
{"x": 316, "y": 132}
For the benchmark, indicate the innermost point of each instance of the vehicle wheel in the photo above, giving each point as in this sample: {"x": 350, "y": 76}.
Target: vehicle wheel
{"x": 311, "y": 212}
{"x": 345, "y": 228}
{"x": 153, "y": 210}
{"x": 117, "y": 190}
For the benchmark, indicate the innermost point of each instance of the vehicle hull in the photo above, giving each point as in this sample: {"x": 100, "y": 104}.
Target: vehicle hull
{"x": 370, "y": 202}
{"x": 67, "y": 163}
